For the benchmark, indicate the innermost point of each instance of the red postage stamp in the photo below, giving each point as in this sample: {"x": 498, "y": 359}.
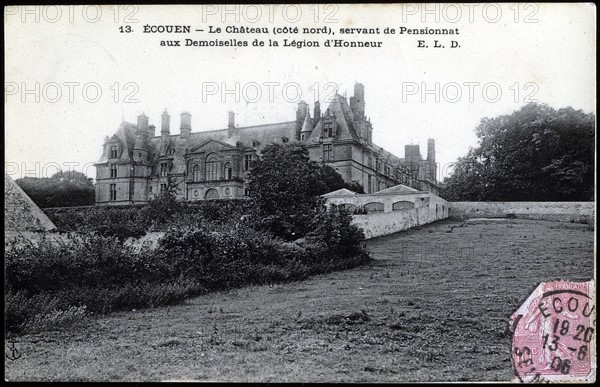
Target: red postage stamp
{"x": 554, "y": 334}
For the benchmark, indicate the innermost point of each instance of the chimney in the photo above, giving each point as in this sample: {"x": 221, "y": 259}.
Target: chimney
{"x": 142, "y": 123}
{"x": 431, "y": 150}
{"x": 431, "y": 166}
{"x": 165, "y": 131}
{"x": 231, "y": 123}
{"x": 412, "y": 154}
{"x": 151, "y": 131}
{"x": 317, "y": 115}
{"x": 186, "y": 124}
{"x": 166, "y": 123}
{"x": 357, "y": 102}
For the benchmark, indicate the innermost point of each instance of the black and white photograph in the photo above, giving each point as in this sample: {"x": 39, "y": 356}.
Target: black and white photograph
{"x": 300, "y": 193}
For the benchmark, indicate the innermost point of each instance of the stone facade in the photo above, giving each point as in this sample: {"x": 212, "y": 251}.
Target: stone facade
{"x": 136, "y": 163}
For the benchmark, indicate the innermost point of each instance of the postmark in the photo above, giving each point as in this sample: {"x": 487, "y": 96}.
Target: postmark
{"x": 554, "y": 334}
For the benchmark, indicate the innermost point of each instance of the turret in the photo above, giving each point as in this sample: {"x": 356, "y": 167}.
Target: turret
{"x": 317, "y": 114}
{"x": 307, "y": 128}
{"x": 301, "y": 114}
{"x": 142, "y": 124}
{"x": 140, "y": 152}
{"x": 186, "y": 125}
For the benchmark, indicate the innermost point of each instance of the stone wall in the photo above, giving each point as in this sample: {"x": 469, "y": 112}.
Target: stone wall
{"x": 384, "y": 223}
{"x": 402, "y": 208}
{"x": 580, "y": 212}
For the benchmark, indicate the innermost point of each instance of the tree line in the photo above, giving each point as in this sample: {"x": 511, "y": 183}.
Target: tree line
{"x": 537, "y": 153}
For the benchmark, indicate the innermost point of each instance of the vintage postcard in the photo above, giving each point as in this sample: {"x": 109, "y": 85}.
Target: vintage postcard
{"x": 300, "y": 192}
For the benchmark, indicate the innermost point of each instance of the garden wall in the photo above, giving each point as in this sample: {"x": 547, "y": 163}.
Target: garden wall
{"x": 580, "y": 212}
{"x": 383, "y": 223}
{"x": 399, "y": 208}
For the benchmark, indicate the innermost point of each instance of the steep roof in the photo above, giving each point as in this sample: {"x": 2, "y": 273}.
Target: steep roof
{"x": 20, "y": 212}
{"x": 262, "y": 134}
{"x": 344, "y": 120}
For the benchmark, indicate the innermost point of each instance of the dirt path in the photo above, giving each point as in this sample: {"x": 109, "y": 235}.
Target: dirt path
{"x": 434, "y": 306}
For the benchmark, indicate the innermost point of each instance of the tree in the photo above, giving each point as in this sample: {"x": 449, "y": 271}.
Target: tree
{"x": 534, "y": 154}
{"x": 63, "y": 189}
{"x": 329, "y": 180}
{"x": 284, "y": 185}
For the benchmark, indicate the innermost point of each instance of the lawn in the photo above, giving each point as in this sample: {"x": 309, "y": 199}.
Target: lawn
{"x": 434, "y": 306}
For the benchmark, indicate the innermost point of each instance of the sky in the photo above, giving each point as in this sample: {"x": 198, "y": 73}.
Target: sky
{"x": 72, "y": 74}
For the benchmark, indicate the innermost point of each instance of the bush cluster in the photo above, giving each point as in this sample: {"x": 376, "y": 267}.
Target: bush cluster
{"x": 50, "y": 284}
{"x": 135, "y": 220}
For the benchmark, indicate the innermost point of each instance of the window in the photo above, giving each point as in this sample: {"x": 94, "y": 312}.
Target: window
{"x": 328, "y": 129}
{"x": 246, "y": 192}
{"x": 163, "y": 188}
{"x": 164, "y": 169}
{"x": 328, "y": 152}
{"x": 403, "y": 205}
{"x": 211, "y": 168}
{"x": 114, "y": 151}
{"x": 113, "y": 170}
{"x": 374, "y": 207}
{"x": 211, "y": 194}
{"x": 196, "y": 173}
{"x": 171, "y": 151}
{"x": 247, "y": 162}
{"x": 112, "y": 192}
{"x": 302, "y": 137}
{"x": 228, "y": 171}
{"x": 369, "y": 185}
{"x": 150, "y": 189}
{"x": 377, "y": 165}
{"x": 284, "y": 140}
{"x": 255, "y": 143}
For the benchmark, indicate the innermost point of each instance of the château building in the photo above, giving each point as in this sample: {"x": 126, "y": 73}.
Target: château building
{"x": 136, "y": 164}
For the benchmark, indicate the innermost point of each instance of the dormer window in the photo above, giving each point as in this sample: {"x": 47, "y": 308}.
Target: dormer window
{"x": 114, "y": 151}
{"x": 328, "y": 128}
{"x": 255, "y": 143}
{"x": 171, "y": 151}
{"x": 284, "y": 140}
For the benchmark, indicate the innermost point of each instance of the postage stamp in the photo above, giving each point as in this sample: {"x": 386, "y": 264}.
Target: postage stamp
{"x": 554, "y": 334}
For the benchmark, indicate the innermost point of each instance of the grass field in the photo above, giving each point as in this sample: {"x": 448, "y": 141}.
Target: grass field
{"x": 434, "y": 306}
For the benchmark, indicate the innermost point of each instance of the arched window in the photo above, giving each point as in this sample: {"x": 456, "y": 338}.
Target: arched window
{"x": 211, "y": 194}
{"x": 374, "y": 207}
{"x": 228, "y": 171}
{"x": 196, "y": 173}
{"x": 403, "y": 205}
{"x": 211, "y": 168}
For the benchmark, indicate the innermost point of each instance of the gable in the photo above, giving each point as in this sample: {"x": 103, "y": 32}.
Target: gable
{"x": 211, "y": 145}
